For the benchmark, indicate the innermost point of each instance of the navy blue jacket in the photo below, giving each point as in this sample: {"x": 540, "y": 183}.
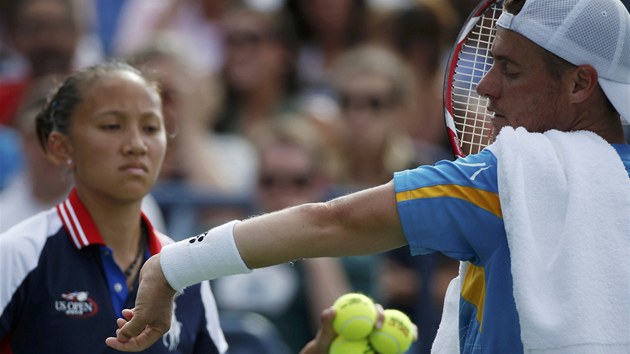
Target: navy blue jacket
{"x": 61, "y": 292}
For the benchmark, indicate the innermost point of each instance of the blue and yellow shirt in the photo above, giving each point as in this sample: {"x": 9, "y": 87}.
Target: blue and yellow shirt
{"x": 453, "y": 207}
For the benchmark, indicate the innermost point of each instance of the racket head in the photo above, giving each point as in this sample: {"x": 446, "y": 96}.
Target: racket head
{"x": 468, "y": 122}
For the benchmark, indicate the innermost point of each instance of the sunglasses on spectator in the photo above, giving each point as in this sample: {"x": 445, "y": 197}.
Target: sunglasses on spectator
{"x": 268, "y": 181}
{"x": 373, "y": 102}
{"x": 50, "y": 26}
{"x": 247, "y": 38}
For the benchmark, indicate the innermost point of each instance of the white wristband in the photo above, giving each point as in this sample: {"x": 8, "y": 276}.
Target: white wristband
{"x": 208, "y": 256}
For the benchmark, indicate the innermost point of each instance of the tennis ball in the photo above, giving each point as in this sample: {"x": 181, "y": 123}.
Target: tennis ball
{"x": 396, "y": 334}
{"x": 342, "y": 345}
{"x": 355, "y": 316}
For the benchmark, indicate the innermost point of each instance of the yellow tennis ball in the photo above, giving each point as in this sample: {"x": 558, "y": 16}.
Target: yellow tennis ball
{"x": 355, "y": 316}
{"x": 396, "y": 334}
{"x": 343, "y": 345}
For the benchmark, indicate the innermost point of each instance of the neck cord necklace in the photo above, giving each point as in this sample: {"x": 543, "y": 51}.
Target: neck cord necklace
{"x": 139, "y": 256}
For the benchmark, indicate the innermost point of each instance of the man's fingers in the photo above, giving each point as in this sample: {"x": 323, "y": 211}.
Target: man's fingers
{"x": 135, "y": 344}
{"x": 380, "y": 316}
{"x": 127, "y": 314}
{"x": 327, "y": 317}
{"x": 131, "y": 329}
{"x": 120, "y": 323}
{"x": 133, "y": 334}
{"x": 325, "y": 335}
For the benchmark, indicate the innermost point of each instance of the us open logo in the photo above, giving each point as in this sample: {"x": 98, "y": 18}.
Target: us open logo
{"x": 77, "y": 304}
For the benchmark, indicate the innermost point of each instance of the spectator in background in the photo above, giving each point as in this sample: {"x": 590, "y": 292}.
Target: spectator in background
{"x": 462, "y": 9}
{"x": 326, "y": 28}
{"x": 418, "y": 36}
{"x": 376, "y": 92}
{"x": 47, "y": 34}
{"x": 40, "y": 184}
{"x": 259, "y": 72}
{"x": 449, "y": 16}
{"x": 11, "y": 67}
{"x": 293, "y": 169}
{"x": 196, "y": 22}
{"x": 106, "y": 17}
{"x": 11, "y": 156}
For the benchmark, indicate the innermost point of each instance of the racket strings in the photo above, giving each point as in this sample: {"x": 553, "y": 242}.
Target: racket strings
{"x": 471, "y": 118}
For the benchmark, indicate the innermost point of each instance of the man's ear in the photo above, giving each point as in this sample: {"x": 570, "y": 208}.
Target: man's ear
{"x": 584, "y": 82}
{"x": 59, "y": 149}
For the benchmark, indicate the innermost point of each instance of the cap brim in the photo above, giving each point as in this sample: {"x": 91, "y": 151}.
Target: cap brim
{"x": 619, "y": 95}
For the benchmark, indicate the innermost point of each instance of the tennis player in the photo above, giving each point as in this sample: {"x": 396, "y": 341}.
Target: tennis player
{"x": 559, "y": 85}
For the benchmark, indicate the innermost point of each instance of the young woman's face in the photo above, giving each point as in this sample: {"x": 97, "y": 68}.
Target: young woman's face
{"x": 117, "y": 137}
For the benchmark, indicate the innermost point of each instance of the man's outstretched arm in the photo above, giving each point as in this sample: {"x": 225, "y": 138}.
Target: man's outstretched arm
{"x": 360, "y": 223}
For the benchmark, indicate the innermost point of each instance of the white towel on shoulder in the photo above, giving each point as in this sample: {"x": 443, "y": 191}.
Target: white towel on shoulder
{"x": 447, "y": 337}
{"x": 565, "y": 199}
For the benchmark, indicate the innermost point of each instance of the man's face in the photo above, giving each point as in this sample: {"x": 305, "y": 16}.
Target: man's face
{"x": 520, "y": 89}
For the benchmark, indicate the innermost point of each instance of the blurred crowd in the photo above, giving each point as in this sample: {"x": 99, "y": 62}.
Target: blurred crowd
{"x": 268, "y": 103}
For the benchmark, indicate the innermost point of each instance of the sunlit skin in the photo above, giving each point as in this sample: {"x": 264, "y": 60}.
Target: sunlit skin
{"x": 118, "y": 135}
{"x": 520, "y": 89}
{"x": 523, "y": 93}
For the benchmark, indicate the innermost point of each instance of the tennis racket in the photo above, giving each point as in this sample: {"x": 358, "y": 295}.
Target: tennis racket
{"x": 467, "y": 120}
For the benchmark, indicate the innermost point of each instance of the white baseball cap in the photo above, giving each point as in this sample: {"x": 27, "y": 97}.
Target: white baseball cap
{"x": 593, "y": 32}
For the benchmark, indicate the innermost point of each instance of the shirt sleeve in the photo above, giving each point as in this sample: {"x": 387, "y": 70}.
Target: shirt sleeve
{"x": 20, "y": 249}
{"x": 451, "y": 207}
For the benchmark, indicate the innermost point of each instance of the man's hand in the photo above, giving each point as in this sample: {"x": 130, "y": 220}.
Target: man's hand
{"x": 325, "y": 335}
{"x": 151, "y": 318}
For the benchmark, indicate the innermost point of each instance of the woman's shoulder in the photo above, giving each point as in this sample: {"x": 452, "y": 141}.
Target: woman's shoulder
{"x": 32, "y": 231}
{"x": 21, "y": 247}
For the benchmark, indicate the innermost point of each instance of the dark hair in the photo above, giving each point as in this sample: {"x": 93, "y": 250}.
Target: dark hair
{"x": 513, "y": 6}
{"x": 57, "y": 114}
{"x": 355, "y": 26}
{"x": 282, "y": 29}
{"x": 418, "y": 26}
